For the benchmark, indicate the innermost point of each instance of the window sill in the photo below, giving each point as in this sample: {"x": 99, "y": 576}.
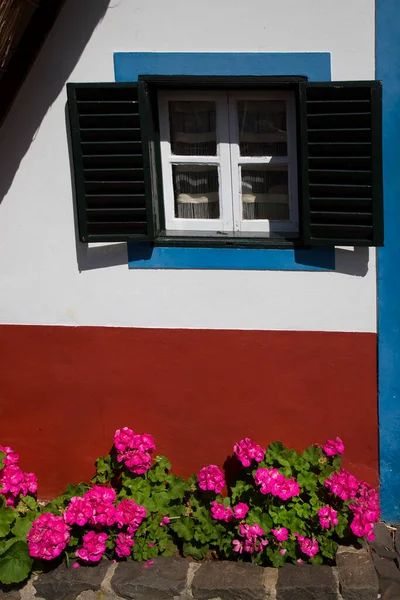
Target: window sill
{"x": 206, "y": 239}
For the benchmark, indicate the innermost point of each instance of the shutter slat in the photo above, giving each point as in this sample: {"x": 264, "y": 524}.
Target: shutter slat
{"x": 111, "y": 121}
{"x": 109, "y": 147}
{"x": 122, "y": 174}
{"x": 88, "y": 107}
{"x": 109, "y": 162}
{"x": 97, "y": 161}
{"x": 341, "y": 155}
{"x": 131, "y": 134}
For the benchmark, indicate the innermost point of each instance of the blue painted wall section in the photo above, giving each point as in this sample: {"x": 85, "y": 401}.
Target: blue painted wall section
{"x": 143, "y": 256}
{"x": 316, "y": 66}
{"x": 388, "y": 70}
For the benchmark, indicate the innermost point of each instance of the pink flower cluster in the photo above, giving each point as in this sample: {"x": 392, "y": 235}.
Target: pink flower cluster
{"x": 124, "y": 544}
{"x": 13, "y": 481}
{"x": 253, "y": 539}
{"x": 220, "y": 512}
{"x": 94, "y": 546}
{"x": 131, "y": 514}
{"x": 307, "y": 546}
{"x": 327, "y": 517}
{"x": 281, "y": 534}
{"x": 272, "y": 482}
{"x": 247, "y": 451}
{"x": 48, "y": 537}
{"x": 364, "y": 502}
{"x": 96, "y": 507}
{"x": 240, "y": 510}
{"x": 333, "y": 447}
{"x": 342, "y": 484}
{"x": 211, "y": 478}
{"x": 366, "y": 511}
{"x": 134, "y": 450}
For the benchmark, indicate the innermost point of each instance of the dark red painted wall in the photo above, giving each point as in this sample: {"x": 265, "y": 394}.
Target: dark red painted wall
{"x": 64, "y": 391}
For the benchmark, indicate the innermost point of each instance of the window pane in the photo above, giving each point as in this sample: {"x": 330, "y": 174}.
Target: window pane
{"x": 193, "y": 128}
{"x": 196, "y": 191}
{"x": 265, "y": 193}
{"x": 262, "y": 127}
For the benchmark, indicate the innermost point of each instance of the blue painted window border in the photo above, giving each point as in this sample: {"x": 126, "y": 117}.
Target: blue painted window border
{"x": 388, "y": 260}
{"x": 314, "y": 65}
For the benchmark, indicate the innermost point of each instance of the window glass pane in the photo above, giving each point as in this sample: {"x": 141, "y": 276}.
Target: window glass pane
{"x": 193, "y": 128}
{"x": 262, "y": 127}
{"x": 196, "y": 191}
{"x": 265, "y": 193}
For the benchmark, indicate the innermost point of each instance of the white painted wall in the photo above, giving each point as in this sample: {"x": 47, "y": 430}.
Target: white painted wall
{"x": 40, "y": 282}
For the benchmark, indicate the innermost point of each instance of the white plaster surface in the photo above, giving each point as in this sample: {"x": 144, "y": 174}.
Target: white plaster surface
{"x": 40, "y": 281}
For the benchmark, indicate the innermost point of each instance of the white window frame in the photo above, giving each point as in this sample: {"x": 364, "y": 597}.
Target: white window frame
{"x": 221, "y": 160}
{"x": 229, "y": 163}
{"x": 288, "y": 162}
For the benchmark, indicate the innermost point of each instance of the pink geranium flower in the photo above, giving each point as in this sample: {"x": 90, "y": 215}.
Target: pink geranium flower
{"x": 327, "y": 517}
{"x": 281, "y": 534}
{"x": 220, "y": 512}
{"x": 307, "y": 546}
{"x": 94, "y": 546}
{"x": 247, "y": 451}
{"x": 211, "y": 478}
{"x": 333, "y": 447}
{"x": 48, "y": 537}
{"x": 131, "y": 514}
{"x": 240, "y": 510}
{"x": 123, "y": 544}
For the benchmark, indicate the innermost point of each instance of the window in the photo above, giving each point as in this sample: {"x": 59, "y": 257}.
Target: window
{"x": 203, "y": 161}
{"x": 229, "y": 161}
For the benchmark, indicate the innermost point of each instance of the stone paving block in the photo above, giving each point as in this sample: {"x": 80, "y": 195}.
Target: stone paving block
{"x": 162, "y": 580}
{"x": 357, "y": 576}
{"x": 387, "y": 570}
{"x": 306, "y": 582}
{"x": 383, "y": 544}
{"x": 392, "y": 592}
{"x": 67, "y": 584}
{"x": 228, "y": 581}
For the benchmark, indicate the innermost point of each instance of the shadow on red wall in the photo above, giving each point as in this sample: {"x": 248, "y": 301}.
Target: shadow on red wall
{"x": 65, "y": 390}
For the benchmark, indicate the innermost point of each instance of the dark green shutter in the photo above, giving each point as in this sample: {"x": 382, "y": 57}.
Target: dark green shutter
{"x": 341, "y": 163}
{"x": 111, "y": 164}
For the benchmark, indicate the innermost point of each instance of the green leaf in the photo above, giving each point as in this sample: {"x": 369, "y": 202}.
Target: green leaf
{"x": 240, "y": 488}
{"x": 312, "y": 454}
{"x": 30, "y": 502}
{"x": 317, "y": 560}
{"x": 104, "y": 470}
{"x": 163, "y": 462}
{"x": 7, "y": 516}
{"x": 274, "y": 451}
{"x": 15, "y": 563}
{"x": 197, "y": 552}
{"x": 275, "y": 557}
{"x": 170, "y": 550}
{"x": 177, "y": 487}
{"x": 2, "y": 456}
{"x": 184, "y": 528}
{"x": 337, "y": 461}
{"x": 23, "y": 526}
{"x": 307, "y": 481}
